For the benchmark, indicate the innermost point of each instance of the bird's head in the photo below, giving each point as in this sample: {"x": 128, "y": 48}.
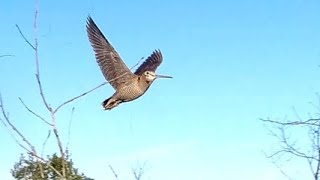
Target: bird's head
{"x": 151, "y": 76}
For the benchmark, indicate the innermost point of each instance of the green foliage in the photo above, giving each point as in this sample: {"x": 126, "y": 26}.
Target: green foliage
{"x": 32, "y": 169}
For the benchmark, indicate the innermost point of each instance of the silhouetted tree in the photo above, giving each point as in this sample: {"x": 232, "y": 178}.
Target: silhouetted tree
{"x": 297, "y": 139}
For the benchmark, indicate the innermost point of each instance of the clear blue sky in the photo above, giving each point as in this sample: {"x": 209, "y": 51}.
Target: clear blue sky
{"x": 233, "y": 62}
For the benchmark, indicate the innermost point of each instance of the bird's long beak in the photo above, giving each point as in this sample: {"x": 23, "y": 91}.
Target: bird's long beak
{"x": 162, "y": 76}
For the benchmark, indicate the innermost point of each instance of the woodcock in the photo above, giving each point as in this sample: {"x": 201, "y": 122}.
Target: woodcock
{"x": 129, "y": 86}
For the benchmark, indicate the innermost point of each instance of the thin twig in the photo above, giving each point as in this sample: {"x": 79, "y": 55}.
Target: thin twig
{"x": 35, "y": 28}
{"x": 13, "y": 137}
{"x": 316, "y": 107}
{"x": 288, "y": 148}
{"x": 35, "y": 114}
{"x": 83, "y": 94}
{"x": 293, "y": 152}
{"x": 139, "y": 171}
{"x": 316, "y": 174}
{"x": 282, "y": 172}
{"x": 275, "y": 163}
{"x": 307, "y": 122}
{"x": 114, "y": 172}
{"x": 296, "y": 113}
{"x": 6, "y": 117}
{"x": 27, "y": 41}
{"x": 310, "y": 165}
{"x": 45, "y": 142}
{"x": 6, "y": 55}
{"x": 69, "y": 128}
{"x": 137, "y": 63}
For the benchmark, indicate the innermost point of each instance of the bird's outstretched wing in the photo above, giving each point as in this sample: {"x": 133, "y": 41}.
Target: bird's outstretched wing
{"x": 151, "y": 64}
{"x": 111, "y": 64}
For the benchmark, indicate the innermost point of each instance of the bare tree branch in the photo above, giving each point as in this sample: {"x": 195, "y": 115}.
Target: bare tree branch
{"x": 55, "y": 129}
{"x": 296, "y": 114}
{"x": 35, "y": 114}
{"x": 282, "y": 172}
{"x": 13, "y": 137}
{"x": 45, "y": 142}
{"x": 316, "y": 173}
{"x": 317, "y": 107}
{"x": 6, "y": 55}
{"x": 27, "y": 41}
{"x": 32, "y": 151}
{"x": 310, "y": 154}
{"x": 6, "y": 117}
{"x": 139, "y": 171}
{"x": 79, "y": 96}
{"x": 276, "y": 164}
{"x": 69, "y": 129}
{"x": 312, "y": 122}
{"x": 137, "y": 63}
{"x": 114, "y": 172}
{"x": 41, "y": 92}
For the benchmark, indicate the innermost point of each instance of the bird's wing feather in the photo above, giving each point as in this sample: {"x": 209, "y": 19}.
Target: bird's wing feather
{"x": 151, "y": 63}
{"x": 111, "y": 64}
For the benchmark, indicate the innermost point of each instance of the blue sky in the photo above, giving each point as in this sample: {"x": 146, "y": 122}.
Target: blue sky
{"x": 233, "y": 62}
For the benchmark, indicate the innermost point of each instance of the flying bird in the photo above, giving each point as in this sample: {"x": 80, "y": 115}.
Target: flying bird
{"x": 129, "y": 86}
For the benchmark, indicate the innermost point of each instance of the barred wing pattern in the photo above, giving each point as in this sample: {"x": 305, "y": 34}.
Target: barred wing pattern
{"x": 151, "y": 64}
{"x": 111, "y": 64}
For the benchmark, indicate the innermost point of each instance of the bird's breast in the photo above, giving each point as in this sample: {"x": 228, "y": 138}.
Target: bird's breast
{"x": 132, "y": 91}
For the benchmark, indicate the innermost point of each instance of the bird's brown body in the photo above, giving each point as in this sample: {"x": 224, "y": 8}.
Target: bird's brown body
{"x": 129, "y": 86}
{"x": 132, "y": 90}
